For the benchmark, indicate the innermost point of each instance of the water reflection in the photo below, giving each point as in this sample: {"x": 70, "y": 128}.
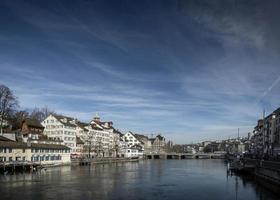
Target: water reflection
{"x": 158, "y": 179}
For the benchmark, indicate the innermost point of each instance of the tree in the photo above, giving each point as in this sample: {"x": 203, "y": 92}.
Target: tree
{"x": 8, "y": 103}
{"x": 88, "y": 139}
{"x": 41, "y": 113}
{"x": 115, "y": 146}
{"x": 98, "y": 147}
{"x": 17, "y": 117}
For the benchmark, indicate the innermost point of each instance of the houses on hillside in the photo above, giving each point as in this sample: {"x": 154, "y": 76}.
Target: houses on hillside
{"x": 59, "y": 138}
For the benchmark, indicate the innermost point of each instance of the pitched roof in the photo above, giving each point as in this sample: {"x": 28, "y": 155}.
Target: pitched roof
{"x": 4, "y": 138}
{"x": 93, "y": 126}
{"x": 134, "y": 135}
{"x": 61, "y": 118}
{"x": 82, "y": 125}
{"x": 141, "y": 137}
{"x": 33, "y": 123}
{"x": 159, "y": 137}
{"x": 118, "y": 132}
{"x": 12, "y": 144}
{"x": 48, "y": 146}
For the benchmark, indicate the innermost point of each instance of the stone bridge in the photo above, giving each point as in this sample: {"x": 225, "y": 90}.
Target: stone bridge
{"x": 180, "y": 156}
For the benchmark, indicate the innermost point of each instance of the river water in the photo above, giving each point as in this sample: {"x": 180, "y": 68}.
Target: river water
{"x": 151, "y": 179}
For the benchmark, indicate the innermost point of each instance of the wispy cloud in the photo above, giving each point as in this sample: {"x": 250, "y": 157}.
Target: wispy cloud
{"x": 193, "y": 72}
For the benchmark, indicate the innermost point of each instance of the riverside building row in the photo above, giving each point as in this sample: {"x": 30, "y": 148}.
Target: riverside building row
{"x": 265, "y": 140}
{"x": 58, "y": 138}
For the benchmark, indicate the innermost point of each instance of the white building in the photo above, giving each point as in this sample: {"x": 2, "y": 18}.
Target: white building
{"x": 101, "y": 138}
{"x": 62, "y": 128}
{"x": 135, "y": 151}
{"x": 131, "y": 139}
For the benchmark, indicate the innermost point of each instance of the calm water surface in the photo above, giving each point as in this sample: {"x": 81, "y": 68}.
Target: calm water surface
{"x": 158, "y": 179}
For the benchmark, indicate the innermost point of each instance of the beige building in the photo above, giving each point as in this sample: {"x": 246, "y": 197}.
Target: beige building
{"x": 45, "y": 154}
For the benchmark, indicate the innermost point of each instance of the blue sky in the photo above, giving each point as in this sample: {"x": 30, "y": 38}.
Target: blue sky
{"x": 191, "y": 70}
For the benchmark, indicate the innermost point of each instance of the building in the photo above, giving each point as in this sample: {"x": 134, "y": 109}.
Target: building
{"x": 59, "y": 127}
{"x": 265, "y": 141}
{"x": 135, "y": 151}
{"x": 80, "y": 150}
{"x": 45, "y": 154}
{"x": 12, "y": 151}
{"x": 132, "y": 140}
{"x": 147, "y": 143}
{"x": 101, "y": 139}
{"x": 33, "y": 132}
{"x": 158, "y": 144}
{"x": 48, "y": 154}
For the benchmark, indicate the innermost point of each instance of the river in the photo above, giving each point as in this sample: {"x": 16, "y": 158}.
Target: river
{"x": 150, "y": 179}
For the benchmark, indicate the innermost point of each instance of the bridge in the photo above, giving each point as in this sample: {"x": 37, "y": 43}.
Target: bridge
{"x": 180, "y": 156}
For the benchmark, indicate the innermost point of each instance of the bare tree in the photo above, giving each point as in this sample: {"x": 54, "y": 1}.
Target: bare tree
{"x": 8, "y": 103}
{"x": 98, "y": 146}
{"x": 88, "y": 139}
{"x": 41, "y": 113}
{"x": 17, "y": 117}
{"x": 115, "y": 146}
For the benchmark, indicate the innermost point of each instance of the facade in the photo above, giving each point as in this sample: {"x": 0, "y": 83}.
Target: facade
{"x": 131, "y": 139}
{"x": 147, "y": 143}
{"x": 80, "y": 151}
{"x": 48, "y": 154}
{"x": 265, "y": 141}
{"x": 32, "y": 132}
{"x": 58, "y": 127}
{"x": 135, "y": 151}
{"x": 158, "y": 144}
{"x": 45, "y": 154}
{"x": 101, "y": 139}
{"x": 11, "y": 150}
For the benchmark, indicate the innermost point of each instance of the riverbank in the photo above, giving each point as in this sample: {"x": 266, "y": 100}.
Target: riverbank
{"x": 264, "y": 172}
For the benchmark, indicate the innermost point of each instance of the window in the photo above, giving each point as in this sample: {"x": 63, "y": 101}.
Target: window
{"x": 10, "y": 150}
{"x": 10, "y": 159}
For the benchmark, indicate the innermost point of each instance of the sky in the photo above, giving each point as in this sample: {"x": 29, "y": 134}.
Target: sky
{"x": 190, "y": 70}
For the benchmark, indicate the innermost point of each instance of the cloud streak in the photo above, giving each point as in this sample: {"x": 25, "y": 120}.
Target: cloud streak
{"x": 192, "y": 70}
